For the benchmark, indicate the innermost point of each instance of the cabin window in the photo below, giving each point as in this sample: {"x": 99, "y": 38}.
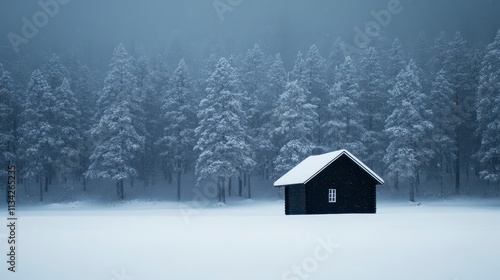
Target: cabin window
{"x": 332, "y": 195}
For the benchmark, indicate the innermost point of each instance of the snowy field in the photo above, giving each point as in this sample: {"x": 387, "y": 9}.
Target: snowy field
{"x": 454, "y": 239}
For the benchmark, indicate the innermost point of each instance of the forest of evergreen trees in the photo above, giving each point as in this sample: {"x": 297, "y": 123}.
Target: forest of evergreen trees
{"x": 423, "y": 112}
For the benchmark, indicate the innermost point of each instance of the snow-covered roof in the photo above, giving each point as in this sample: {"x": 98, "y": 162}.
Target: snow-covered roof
{"x": 313, "y": 165}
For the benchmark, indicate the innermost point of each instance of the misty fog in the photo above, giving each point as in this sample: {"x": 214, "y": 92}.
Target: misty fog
{"x": 159, "y": 42}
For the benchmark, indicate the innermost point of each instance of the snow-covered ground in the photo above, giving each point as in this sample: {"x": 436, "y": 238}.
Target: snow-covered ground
{"x": 455, "y": 239}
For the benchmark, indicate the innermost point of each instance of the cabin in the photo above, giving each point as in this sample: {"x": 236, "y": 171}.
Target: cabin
{"x": 332, "y": 183}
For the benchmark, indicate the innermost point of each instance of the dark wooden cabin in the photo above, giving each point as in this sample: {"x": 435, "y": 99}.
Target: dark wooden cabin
{"x": 331, "y": 183}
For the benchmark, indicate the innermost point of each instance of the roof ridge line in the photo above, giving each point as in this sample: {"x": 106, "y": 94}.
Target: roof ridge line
{"x": 324, "y": 167}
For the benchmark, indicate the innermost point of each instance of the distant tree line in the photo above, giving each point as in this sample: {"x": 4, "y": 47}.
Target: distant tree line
{"x": 429, "y": 109}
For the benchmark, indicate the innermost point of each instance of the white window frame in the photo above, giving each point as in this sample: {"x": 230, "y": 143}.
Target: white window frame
{"x": 332, "y": 195}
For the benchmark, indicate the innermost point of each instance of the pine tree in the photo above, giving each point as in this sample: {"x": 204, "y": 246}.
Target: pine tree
{"x": 67, "y": 130}
{"x": 315, "y": 83}
{"x": 148, "y": 123}
{"x": 443, "y": 134}
{"x": 55, "y": 72}
{"x": 277, "y": 77}
{"x": 117, "y": 144}
{"x": 160, "y": 80}
{"x": 440, "y": 53}
{"x": 299, "y": 70}
{"x": 488, "y": 113}
{"x": 179, "y": 121}
{"x": 457, "y": 67}
{"x": 372, "y": 106}
{"x": 397, "y": 61}
{"x": 7, "y": 118}
{"x": 85, "y": 88}
{"x": 335, "y": 58}
{"x": 291, "y": 154}
{"x": 252, "y": 74}
{"x": 119, "y": 80}
{"x": 223, "y": 146}
{"x": 407, "y": 128}
{"x": 344, "y": 128}
{"x": 252, "y": 77}
{"x": 38, "y": 138}
{"x": 297, "y": 119}
{"x": 422, "y": 54}
{"x": 267, "y": 148}
{"x": 116, "y": 136}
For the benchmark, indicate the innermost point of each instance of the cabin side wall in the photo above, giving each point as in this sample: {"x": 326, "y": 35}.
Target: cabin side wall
{"x": 355, "y": 189}
{"x": 295, "y": 200}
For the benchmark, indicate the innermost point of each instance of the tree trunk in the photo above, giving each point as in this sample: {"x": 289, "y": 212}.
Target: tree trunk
{"x": 412, "y": 190}
{"x": 229, "y": 186}
{"x": 417, "y": 184}
{"x": 457, "y": 161}
{"x": 84, "y": 184}
{"x": 249, "y": 188}
{"x": 223, "y": 190}
{"x": 219, "y": 195}
{"x": 179, "y": 174}
{"x": 240, "y": 186}
{"x": 41, "y": 190}
{"x": 120, "y": 190}
{"x": 441, "y": 181}
{"x": 467, "y": 167}
{"x": 46, "y": 183}
{"x": 169, "y": 177}
{"x": 457, "y": 174}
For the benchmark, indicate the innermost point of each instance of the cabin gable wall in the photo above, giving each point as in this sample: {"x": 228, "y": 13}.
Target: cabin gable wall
{"x": 355, "y": 189}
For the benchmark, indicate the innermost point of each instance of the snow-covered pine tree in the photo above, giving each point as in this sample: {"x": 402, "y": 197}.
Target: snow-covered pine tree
{"x": 422, "y": 55}
{"x": 115, "y": 135}
{"x": 458, "y": 66}
{"x": 335, "y": 58}
{"x": 297, "y": 119}
{"x": 315, "y": 83}
{"x": 55, "y": 72}
{"x": 116, "y": 145}
{"x": 299, "y": 71}
{"x": 85, "y": 88}
{"x": 7, "y": 119}
{"x": 397, "y": 61}
{"x": 120, "y": 79}
{"x": 277, "y": 77}
{"x": 67, "y": 130}
{"x": 179, "y": 121}
{"x": 148, "y": 123}
{"x": 223, "y": 145}
{"x": 372, "y": 106}
{"x": 344, "y": 128}
{"x": 252, "y": 75}
{"x": 38, "y": 138}
{"x": 488, "y": 113}
{"x": 443, "y": 134}
{"x": 160, "y": 79}
{"x": 408, "y": 129}
{"x": 439, "y": 53}
{"x": 267, "y": 148}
